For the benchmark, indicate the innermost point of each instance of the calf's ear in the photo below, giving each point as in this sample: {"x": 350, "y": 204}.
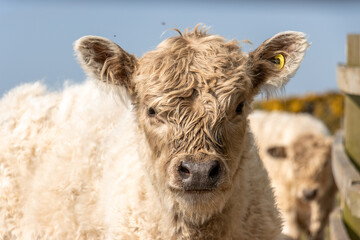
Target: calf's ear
{"x": 105, "y": 61}
{"x": 276, "y": 60}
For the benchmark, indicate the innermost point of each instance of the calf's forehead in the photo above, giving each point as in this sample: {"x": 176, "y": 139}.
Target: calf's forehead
{"x": 311, "y": 153}
{"x": 206, "y": 63}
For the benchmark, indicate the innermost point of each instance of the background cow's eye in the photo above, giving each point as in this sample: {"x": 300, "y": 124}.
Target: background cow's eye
{"x": 239, "y": 108}
{"x": 151, "y": 112}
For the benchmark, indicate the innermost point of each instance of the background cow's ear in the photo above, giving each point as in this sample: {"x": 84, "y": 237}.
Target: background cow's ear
{"x": 278, "y": 152}
{"x": 276, "y": 60}
{"x": 106, "y": 61}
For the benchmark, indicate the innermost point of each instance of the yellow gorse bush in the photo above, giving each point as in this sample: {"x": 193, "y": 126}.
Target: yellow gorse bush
{"x": 328, "y": 107}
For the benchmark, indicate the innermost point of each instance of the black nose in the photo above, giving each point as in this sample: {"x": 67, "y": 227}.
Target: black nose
{"x": 199, "y": 176}
{"x": 310, "y": 194}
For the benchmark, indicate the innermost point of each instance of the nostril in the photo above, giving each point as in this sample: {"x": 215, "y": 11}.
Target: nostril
{"x": 184, "y": 171}
{"x": 314, "y": 193}
{"x": 310, "y": 194}
{"x": 214, "y": 171}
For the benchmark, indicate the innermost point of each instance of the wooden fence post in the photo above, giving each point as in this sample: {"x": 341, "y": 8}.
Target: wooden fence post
{"x": 349, "y": 83}
{"x": 346, "y": 149}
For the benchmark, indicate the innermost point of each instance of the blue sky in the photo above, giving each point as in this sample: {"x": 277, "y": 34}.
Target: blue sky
{"x": 37, "y": 36}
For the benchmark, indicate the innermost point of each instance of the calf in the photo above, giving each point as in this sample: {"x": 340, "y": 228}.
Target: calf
{"x": 296, "y": 151}
{"x": 162, "y": 151}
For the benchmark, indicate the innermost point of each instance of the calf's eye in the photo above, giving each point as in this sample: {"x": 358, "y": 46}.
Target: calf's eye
{"x": 151, "y": 112}
{"x": 239, "y": 108}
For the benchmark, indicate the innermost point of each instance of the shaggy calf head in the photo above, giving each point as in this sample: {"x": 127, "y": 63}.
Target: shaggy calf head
{"x": 310, "y": 155}
{"x": 192, "y": 95}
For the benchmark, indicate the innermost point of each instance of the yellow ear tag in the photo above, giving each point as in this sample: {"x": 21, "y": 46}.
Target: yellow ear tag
{"x": 279, "y": 60}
